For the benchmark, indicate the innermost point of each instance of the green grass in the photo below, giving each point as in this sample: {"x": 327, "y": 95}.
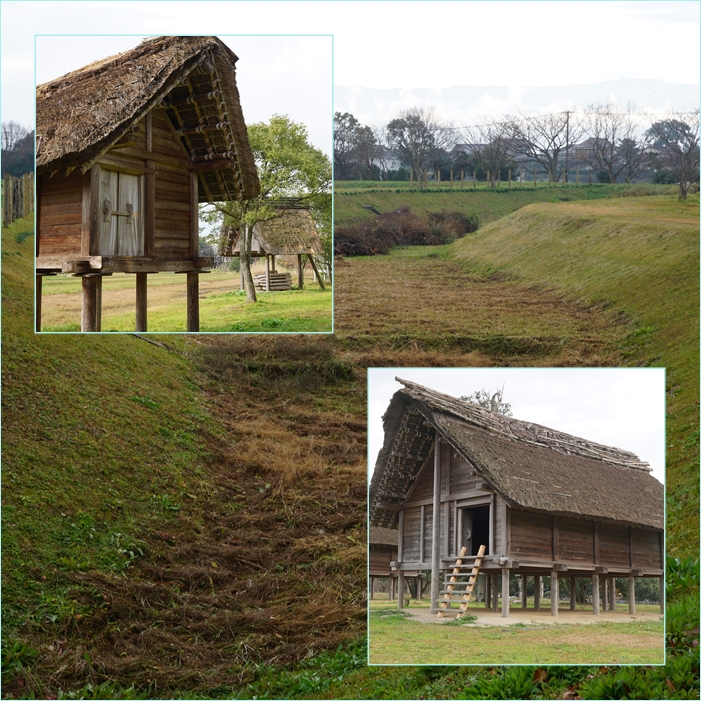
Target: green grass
{"x": 397, "y": 640}
{"x": 638, "y": 256}
{"x": 489, "y": 204}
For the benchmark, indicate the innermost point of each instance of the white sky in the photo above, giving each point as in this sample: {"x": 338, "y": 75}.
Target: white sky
{"x": 620, "y": 407}
{"x": 387, "y": 44}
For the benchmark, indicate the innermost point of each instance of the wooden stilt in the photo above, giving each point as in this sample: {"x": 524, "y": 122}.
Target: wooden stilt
{"x": 495, "y": 592}
{"x": 487, "y": 591}
{"x": 37, "y": 294}
{"x": 524, "y": 593}
{"x": 605, "y": 597}
{"x": 631, "y": 596}
{"x": 612, "y": 594}
{"x": 595, "y": 593}
{"x": 98, "y": 303}
{"x": 300, "y": 272}
{"x": 193, "y": 302}
{"x": 573, "y": 593}
{"x": 554, "y": 593}
{"x": 141, "y": 296}
{"x": 536, "y": 592}
{"x": 267, "y": 273}
{"x": 87, "y": 317}
{"x": 504, "y": 593}
{"x": 400, "y": 588}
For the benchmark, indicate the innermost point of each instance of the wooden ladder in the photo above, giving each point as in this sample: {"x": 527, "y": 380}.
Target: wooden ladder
{"x": 467, "y": 594}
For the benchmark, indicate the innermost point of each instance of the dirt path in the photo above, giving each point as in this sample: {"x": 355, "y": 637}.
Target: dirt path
{"x": 412, "y": 295}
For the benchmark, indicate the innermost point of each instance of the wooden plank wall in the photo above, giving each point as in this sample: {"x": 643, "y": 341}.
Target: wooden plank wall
{"x": 614, "y": 547}
{"x": 531, "y": 535}
{"x": 575, "y": 540}
{"x": 60, "y": 214}
{"x": 646, "y": 549}
{"x": 412, "y": 534}
{"x": 380, "y": 557}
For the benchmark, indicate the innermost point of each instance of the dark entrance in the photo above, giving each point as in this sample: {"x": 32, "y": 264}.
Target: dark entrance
{"x": 475, "y": 529}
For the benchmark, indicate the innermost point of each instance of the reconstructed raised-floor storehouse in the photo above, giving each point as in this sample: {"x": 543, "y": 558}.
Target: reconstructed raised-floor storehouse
{"x": 127, "y": 148}
{"x": 382, "y": 553}
{"x": 291, "y": 233}
{"x": 544, "y": 503}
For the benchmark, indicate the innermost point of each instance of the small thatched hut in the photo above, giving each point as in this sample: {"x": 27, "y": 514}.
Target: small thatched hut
{"x": 127, "y": 148}
{"x": 382, "y": 555}
{"x": 292, "y": 232}
{"x": 544, "y": 503}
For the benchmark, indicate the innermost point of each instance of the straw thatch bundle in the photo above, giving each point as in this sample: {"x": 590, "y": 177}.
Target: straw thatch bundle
{"x": 528, "y": 465}
{"x": 83, "y": 113}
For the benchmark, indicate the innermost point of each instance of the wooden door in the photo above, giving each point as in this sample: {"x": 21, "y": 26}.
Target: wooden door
{"x": 121, "y": 207}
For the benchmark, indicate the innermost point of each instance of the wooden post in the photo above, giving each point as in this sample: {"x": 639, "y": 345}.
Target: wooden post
{"x": 88, "y": 317}
{"x": 505, "y": 592}
{"x": 605, "y": 597}
{"x": 400, "y": 586}
{"x": 631, "y": 595}
{"x": 487, "y": 591}
{"x": 267, "y": 273}
{"x": 524, "y": 593}
{"x": 536, "y": 592}
{"x": 595, "y": 593}
{"x": 98, "y": 303}
{"x": 141, "y": 297}
{"x": 436, "y": 533}
{"x": 612, "y": 594}
{"x": 37, "y": 295}
{"x": 495, "y": 592}
{"x": 554, "y": 593}
{"x": 193, "y": 302}
{"x": 316, "y": 272}
{"x": 300, "y": 273}
{"x": 573, "y": 593}
{"x": 194, "y": 217}
{"x": 272, "y": 263}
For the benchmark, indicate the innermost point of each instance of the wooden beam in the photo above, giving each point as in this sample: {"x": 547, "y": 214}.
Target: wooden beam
{"x": 194, "y": 216}
{"x": 193, "y": 302}
{"x": 554, "y": 593}
{"x": 422, "y": 533}
{"x": 141, "y": 297}
{"x": 436, "y": 533}
{"x": 90, "y": 211}
{"x": 400, "y": 537}
{"x": 150, "y": 210}
{"x": 316, "y": 272}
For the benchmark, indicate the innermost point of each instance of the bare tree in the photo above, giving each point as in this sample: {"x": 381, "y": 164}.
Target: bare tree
{"x": 367, "y": 149}
{"x": 675, "y": 148}
{"x": 12, "y": 133}
{"x": 613, "y": 144}
{"x": 545, "y": 139}
{"x": 345, "y": 127}
{"x": 418, "y": 136}
{"x": 489, "y": 147}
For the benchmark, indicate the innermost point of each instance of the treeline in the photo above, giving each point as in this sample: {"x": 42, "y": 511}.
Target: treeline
{"x": 17, "y": 149}
{"x": 611, "y": 144}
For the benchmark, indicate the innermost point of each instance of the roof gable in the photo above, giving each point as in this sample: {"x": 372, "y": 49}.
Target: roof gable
{"x": 83, "y": 113}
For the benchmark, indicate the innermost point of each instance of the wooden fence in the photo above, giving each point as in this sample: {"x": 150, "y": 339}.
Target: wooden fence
{"x": 17, "y": 197}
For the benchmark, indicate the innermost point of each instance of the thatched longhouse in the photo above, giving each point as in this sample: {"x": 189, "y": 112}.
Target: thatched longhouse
{"x": 292, "y": 232}
{"x": 126, "y": 149}
{"x": 544, "y": 503}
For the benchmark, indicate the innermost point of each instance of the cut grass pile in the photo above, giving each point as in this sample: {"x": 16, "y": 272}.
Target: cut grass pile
{"x": 223, "y": 307}
{"x": 398, "y": 640}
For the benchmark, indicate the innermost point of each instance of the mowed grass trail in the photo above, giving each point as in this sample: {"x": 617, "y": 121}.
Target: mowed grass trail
{"x": 640, "y": 257}
{"x": 397, "y": 640}
{"x": 223, "y": 308}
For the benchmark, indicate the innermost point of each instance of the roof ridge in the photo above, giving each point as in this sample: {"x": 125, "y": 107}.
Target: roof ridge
{"x": 524, "y": 431}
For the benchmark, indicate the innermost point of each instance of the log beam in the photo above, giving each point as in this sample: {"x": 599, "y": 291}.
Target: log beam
{"x": 88, "y": 318}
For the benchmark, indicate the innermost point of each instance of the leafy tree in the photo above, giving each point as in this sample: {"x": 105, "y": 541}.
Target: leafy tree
{"x": 675, "y": 149}
{"x": 291, "y": 172}
{"x": 491, "y": 402}
{"x": 419, "y": 137}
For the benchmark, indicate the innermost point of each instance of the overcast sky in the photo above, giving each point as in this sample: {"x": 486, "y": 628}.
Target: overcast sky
{"x": 382, "y": 44}
{"x": 624, "y": 408}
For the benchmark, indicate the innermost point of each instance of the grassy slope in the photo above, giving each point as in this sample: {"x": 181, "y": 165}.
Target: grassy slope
{"x": 641, "y": 256}
{"x": 350, "y": 198}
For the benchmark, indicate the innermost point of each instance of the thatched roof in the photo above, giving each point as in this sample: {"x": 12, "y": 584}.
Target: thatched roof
{"x": 529, "y": 465}
{"x": 83, "y": 113}
{"x": 383, "y": 536}
{"x": 290, "y": 233}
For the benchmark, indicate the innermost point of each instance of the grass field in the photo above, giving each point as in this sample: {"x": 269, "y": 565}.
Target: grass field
{"x": 399, "y": 640}
{"x": 223, "y": 308}
{"x": 187, "y": 520}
